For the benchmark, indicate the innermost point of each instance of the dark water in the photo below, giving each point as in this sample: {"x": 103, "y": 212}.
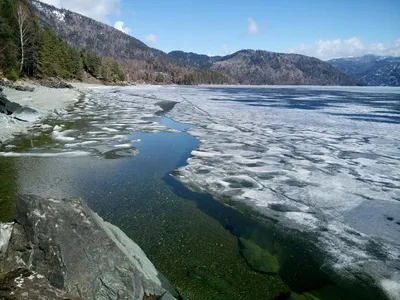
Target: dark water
{"x": 207, "y": 250}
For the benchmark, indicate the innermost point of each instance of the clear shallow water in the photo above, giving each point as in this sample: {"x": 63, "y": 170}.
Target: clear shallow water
{"x": 123, "y": 160}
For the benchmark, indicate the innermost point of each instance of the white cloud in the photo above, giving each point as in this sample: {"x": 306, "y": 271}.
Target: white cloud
{"x": 152, "y": 39}
{"x": 225, "y": 49}
{"x": 328, "y": 49}
{"x": 120, "y": 26}
{"x": 96, "y": 9}
{"x": 252, "y": 27}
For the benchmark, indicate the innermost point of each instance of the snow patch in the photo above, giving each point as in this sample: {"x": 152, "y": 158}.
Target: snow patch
{"x": 5, "y": 234}
{"x": 392, "y": 288}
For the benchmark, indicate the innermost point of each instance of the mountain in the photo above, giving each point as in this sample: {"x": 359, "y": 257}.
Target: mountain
{"x": 263, "y": 67}
{"x": 371, "y": 69}
{"x": 141, "y": 63}
{"x": 201, "y": 61}
{"x": 99, "y": 38}
{"x": 151, "y": 65}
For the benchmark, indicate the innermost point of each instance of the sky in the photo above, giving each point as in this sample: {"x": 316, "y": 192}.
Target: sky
{"x": 322, "y": 28}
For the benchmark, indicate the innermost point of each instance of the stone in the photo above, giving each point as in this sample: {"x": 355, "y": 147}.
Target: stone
{"x": 5, "y": 82}
{"x": 26, "y": 114}
{"x": 24, "y": 88}
{"x": 78, "y": 252}
{"x": 60, "y": 112}
{"x": 3, "y": 109}
{"x": 258, "y": 258}
{"x": 5, "y": 234}
{"x": 25, "y": 284}
{"x": 3, "y": 99}
{"x": 56, "y": 84}
{"x": 12, "y": 107}
{"x": 166, "y": 106}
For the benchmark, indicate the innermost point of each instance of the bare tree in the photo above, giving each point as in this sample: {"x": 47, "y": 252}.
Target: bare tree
{"x": 25, "y": 31}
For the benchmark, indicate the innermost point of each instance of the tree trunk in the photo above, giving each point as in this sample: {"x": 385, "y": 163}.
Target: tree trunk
{"x": 25, "y": 31}
{"x": 22, "y": 49}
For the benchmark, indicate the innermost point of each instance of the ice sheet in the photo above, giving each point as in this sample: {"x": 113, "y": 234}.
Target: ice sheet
{"x": 322, "y": 159}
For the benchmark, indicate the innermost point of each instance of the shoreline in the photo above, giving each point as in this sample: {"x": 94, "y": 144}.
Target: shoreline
{"x": 47, "y": 101}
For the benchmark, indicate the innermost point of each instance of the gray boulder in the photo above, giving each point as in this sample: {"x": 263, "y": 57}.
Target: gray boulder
{"x": 56, "y": 84}
{"x": 60, "y": 112}
{"x": 26, "y": 114}
{"x": 6, "y": 106}
{"x": 3, "y": 109}
{"x": 5, "y": 82}
{"x": 3, "y": 99}
{"x": 78, "y": 252}
{"x": 12, "y": 107}
{"x": 24, "y": 88}
{"x": 25, "y": 284}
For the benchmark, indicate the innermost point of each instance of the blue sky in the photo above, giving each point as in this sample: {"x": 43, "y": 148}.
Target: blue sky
{"x": 321, "y": 28}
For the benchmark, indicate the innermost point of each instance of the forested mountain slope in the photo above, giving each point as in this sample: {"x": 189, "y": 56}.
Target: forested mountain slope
{"x": 264, "y": 67}
{"x": 26, "y": 49}
{"x": 371, "y": 69}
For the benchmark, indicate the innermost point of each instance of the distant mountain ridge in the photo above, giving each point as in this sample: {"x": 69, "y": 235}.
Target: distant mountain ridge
{"x": 371, "y": 69}
{"x": 153, "y": 65}
{"x": 199, "y": 60}
{"x": 263, "y": 67}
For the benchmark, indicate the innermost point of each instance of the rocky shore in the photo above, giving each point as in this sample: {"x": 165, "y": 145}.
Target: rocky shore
{"x": 60, "y": 249}
{"x": 25, "y": 104}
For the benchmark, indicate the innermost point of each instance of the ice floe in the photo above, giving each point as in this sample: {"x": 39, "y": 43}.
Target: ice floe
{"x": 322, "y": 160}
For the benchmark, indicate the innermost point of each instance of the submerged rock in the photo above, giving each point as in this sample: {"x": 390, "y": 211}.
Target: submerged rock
{"x": 26, "y": 114}
{"x": 79, "y": 253}
{"x": 259, "y": 259}
{"x": 120, "y": 153}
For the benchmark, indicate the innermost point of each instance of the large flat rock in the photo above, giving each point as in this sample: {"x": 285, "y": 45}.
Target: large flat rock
{"x": 78, "y": 252}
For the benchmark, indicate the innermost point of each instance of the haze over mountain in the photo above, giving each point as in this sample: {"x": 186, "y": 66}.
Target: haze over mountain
{"x": 143, "y": 62}
{"x": 371, "y": 69}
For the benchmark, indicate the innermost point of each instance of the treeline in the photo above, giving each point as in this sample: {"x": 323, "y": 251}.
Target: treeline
{"x": 198, "y": 76}
{"x": 26, "y": 49}
{"x": 156, "y": 73}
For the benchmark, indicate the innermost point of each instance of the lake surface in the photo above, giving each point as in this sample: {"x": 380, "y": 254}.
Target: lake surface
{"x": 299, "y": 168}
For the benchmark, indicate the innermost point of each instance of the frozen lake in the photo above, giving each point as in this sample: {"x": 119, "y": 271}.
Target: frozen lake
{"x": 321, "y": 162}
